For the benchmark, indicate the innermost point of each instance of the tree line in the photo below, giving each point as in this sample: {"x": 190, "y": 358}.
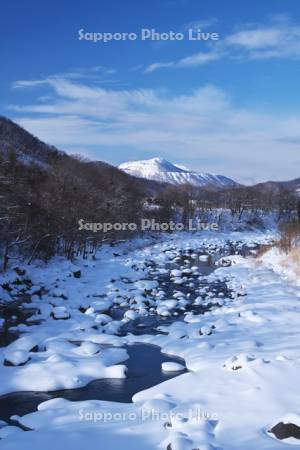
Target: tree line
{"x": 40, "y": 206}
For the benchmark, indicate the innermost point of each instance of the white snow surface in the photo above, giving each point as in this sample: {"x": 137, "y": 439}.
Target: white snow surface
{"x": 172, "y": 367}
{"x": 244, "y": 366}
{"x": 159, "y": 169}
{"x": 281, "y": 263}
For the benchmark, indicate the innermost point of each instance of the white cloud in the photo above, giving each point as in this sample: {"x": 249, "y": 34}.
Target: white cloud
{"x": 28, "y": 83}
{"x": 97, "y": 73}
{"x": 160, "y": 65}
{"x": 197, "y": 59}
{"x": 280, "y": 38}
{"x": 201, "y": 23}
{"x": 257, "y": 38}
{"x": 202, "y": 129}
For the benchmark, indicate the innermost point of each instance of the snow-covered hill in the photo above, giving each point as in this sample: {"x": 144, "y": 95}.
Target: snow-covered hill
{"x": 159, "y": 169}
{"x": 28, "y": 148}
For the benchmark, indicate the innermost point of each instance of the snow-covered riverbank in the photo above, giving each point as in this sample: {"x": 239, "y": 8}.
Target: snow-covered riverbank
{"x": 242, "y": 355}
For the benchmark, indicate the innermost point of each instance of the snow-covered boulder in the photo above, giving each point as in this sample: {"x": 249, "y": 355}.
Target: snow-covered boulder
{"x": 60, "y": 293}
{"x": 176, "y": 273}
{"x": 103, "y": 319}
{"x": 187, "y": 271}
{"x": 131, "y": 315}
{"x": 203, "y": 258}
{"x": 60, "y": 313}
{"x": 169, "y": 304}
{"x": 100, "y": 306}
{"x": 206, "y": 330}
{"x": 16, "y": 358}
{"x": 179, "y": 442}
{"x": 172, "y": 367}
{"x": 146, "y": 285}
{"x": 238, "y": 362}
{"x": 163, "y": 311}
{"x": 224, "y": 262}
{"x": 179, "y": 280}
{"x": 4, "y": 295}
{"x": 88, "y": 348}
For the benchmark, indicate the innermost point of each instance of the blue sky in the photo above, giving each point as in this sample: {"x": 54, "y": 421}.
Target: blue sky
{"x": 228, "y": 106}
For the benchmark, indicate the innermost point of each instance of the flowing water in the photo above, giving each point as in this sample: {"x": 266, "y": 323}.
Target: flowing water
{"x": 143, "y": 372}
{"x": 144, "y": 363}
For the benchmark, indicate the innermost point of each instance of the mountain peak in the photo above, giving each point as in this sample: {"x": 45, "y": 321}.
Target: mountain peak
{"x": 157, "y": 159}
{"x": 149, "y": 167}
{"x": 159, "y": 169}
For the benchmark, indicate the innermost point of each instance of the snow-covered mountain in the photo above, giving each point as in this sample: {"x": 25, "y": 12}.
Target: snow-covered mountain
{"x": 160, "y": 169}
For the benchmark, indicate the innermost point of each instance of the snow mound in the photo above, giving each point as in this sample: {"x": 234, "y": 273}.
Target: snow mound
{"x": 16, "y": 358}
{"x": 172, "y": 367}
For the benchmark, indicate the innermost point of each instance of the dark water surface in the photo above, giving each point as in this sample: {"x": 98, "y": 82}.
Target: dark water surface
{"x": 14, "y": 314}
{"x": 143, "y": 372}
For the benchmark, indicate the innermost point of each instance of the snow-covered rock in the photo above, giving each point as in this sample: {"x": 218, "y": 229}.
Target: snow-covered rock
{"x": 203, "y": 258}
{"x": 4, "y": 295}
{"x": 238, "y": 362}
{"x": 131, "y": 315}
{"x": 60, "y": 313}
{"x": 103, "y": 319}
{"x": 172, "y": 367}
{"x": 146, "y": 285}
{"x": 163, "y": 311}
{"x": 88, "y": 348}
{"x": 100, "y": 306}
{"x": 16, "y": 358}
{"x": 176, "y": 273}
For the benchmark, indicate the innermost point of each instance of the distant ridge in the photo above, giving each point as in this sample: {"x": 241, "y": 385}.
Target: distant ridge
{"x": 159, "y": 169}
